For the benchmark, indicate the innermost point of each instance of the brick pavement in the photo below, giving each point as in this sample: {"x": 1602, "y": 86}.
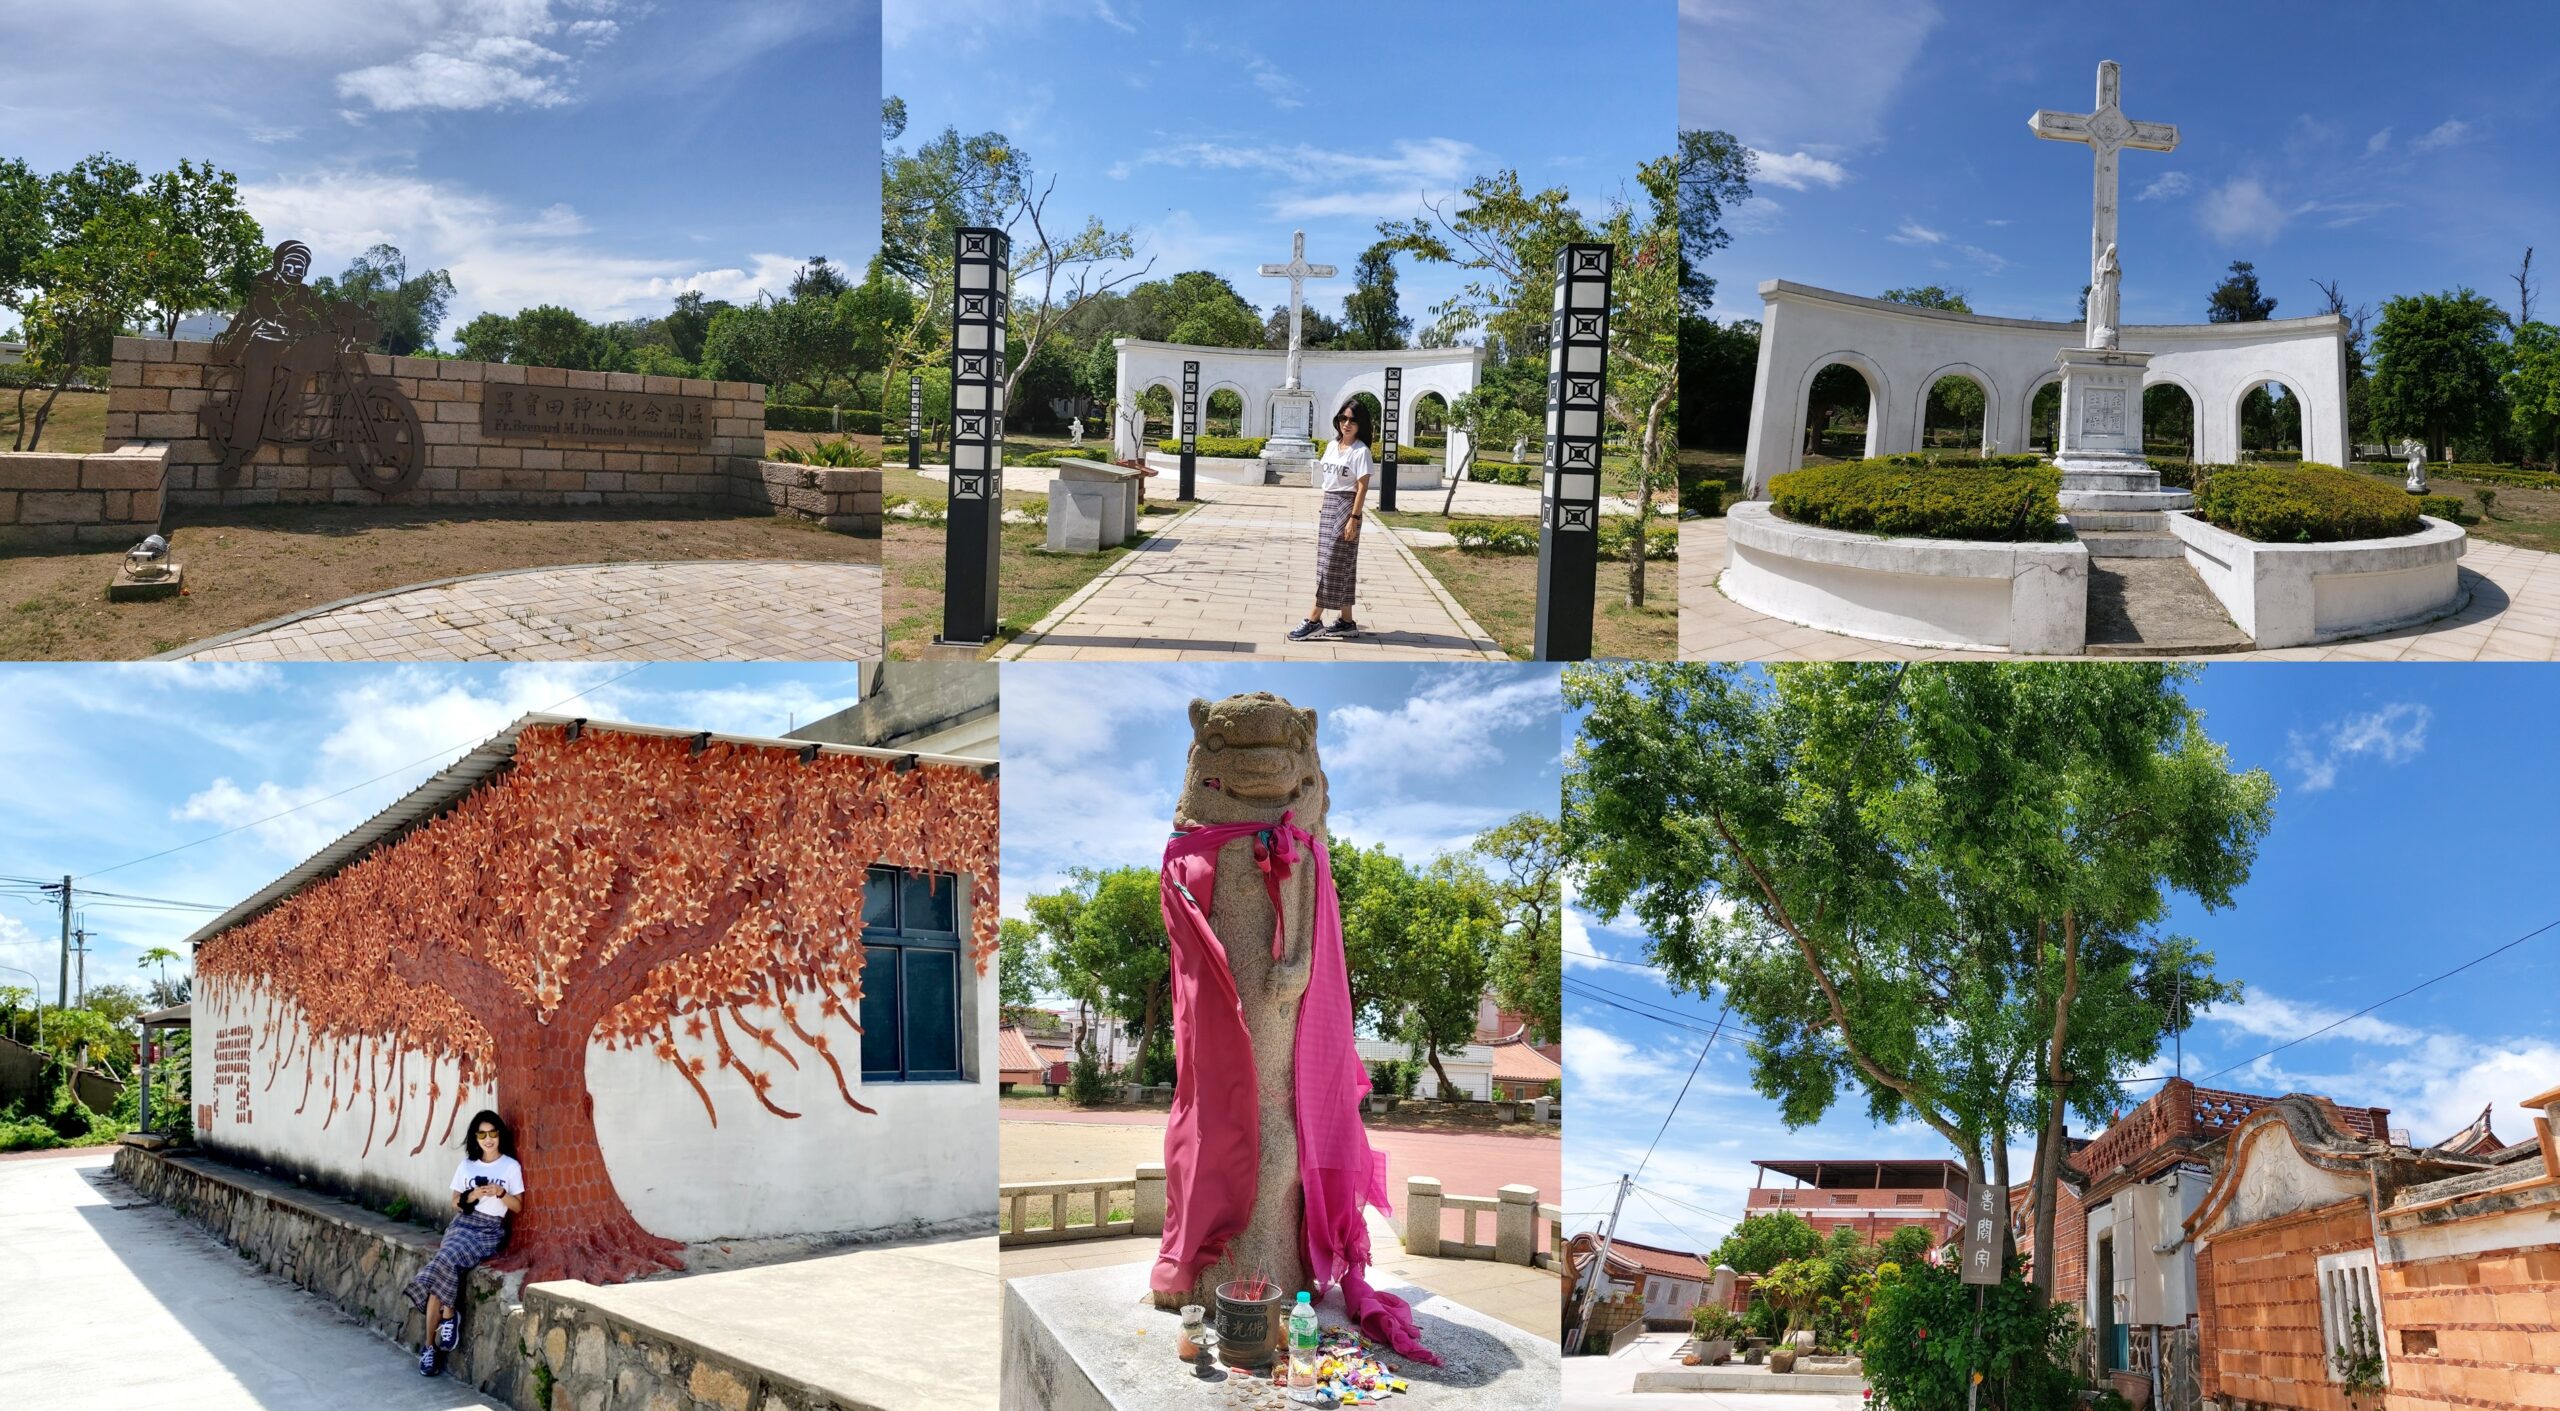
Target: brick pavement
{"x": 1228, "y": 579}
{"x": 2513, "y": 615}
{"x": 695, "y": 611}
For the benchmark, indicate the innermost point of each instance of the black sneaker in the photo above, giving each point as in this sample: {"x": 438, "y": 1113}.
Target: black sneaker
{"x": 448, "y": 1333}
{"x": 430, "y": 1360}
{"x": 1305, "y": 629}
{"x": 1343, "y": 627}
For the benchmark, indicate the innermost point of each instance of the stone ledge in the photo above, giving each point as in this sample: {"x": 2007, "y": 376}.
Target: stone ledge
{"x": 2290, "y": 595}
{"x": 2028, "y": 598}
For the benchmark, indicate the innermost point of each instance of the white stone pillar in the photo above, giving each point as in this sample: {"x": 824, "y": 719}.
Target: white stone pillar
{"x": 1515, "y": 1226}
{"x": 1147, "y": 1211}
{"x": 1422, "y": 1216}
{"x": 1124, "y": 442}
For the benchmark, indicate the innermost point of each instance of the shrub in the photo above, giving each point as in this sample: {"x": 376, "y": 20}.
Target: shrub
{"x": 860, "y": 420}
{"x": 2448, "y": 507}
{"x": 1922, "y": 1343}
{"x": 19, "y": 1132}
{"x": 2488, "y": 501}
{"x": 835, "y": 455}
{"x": 1711, "y": 1322}
{"x": 1088, "y": 1082}
{"x": 2305, "y": 504}
{"x": 1994, "y": 499}
{"x": 1701, "y": 495}
{"x": 1617, "y": 537}
{"x": 1235, "y": 447}
{"x": 1502, "y": 473}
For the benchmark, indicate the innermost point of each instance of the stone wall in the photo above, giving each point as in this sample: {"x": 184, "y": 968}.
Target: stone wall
{"x": 846, "y": 500}
{"x": 542, "y": 1348}
{"x": 2475, "y": 1328}
{"x": 110, "y": 499}
{"x": 2259, "y": 1297}
{"x": 159, "y": 386}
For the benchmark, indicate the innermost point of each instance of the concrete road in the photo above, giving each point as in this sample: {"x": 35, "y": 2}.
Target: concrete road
{"x": 1605, "y": 1384}
{"x": 108, "y": 1301}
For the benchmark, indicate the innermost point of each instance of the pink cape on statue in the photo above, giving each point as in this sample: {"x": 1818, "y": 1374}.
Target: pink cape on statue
{"x": 1213, "y": 1138}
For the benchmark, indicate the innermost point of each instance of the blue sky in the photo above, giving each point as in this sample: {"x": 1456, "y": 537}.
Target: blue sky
{"x": 2413, "y": 830}
{"x": 1418, "y": 758}
{"x": 1214, "y": 130}
{"x": 2395, "y": 149}
{"x": 110, "y": 763}
{"x": 602, "y": 154}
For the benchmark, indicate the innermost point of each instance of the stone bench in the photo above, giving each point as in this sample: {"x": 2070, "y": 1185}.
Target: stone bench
{"x": 1093, "y": 506}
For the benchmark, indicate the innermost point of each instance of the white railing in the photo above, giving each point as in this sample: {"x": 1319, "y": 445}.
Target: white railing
{"x": 1020, "y": 1201}
{"x": 1516, "y": 1217}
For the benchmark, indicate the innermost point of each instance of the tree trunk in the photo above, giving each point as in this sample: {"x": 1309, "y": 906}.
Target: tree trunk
{"x": 2050, "y": 1145}
{"x": 2000, "y": 1174}
{"x": 574, "y": 1225}
{"x": 1433, "y": 1050}
{"x": 1147, "y": 1027}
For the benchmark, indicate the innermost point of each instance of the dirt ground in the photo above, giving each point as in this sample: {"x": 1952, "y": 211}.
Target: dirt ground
{"x": 1029, "y": 581}
{"x": 244, "y": 566}
{"x": 1500, "y": 591}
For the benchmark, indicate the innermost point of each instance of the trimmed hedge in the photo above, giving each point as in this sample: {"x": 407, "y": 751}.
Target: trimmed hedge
{"x": 2305, "y": 504}
{"x": 860, "y": 420}
{"x": 1520, "y": 536}
{"x": 1248, "y": 447}
{"x": 2448, "y": 507}
{"x": 2476, "y": 473}
{"x": 1999, "y": 499}
{"x": 1502, "y": 473}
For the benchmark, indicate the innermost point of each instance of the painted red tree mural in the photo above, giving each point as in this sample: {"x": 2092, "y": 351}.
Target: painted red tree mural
{"x": 636, "y": 890}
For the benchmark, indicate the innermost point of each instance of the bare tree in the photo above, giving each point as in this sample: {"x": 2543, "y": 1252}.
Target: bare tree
{"x": 2524, "y": 289}
{"x": 1084, "y": 260}
{"x": 2358, "y": 319}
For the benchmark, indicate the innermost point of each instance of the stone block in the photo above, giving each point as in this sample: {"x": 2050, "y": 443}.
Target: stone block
{"x": 34, "y": 470}
{"x": 1079, "y": 517}
{"x": 170, "y": 375}
{"x": 1515, "y": 1225}
{"x": 61, "y": 507}
{"x": 500, "y": 372}
{"x": 435, "y": 390}
{"x": 624, "y": 382}
{"x": 539, "y": 458}
{"x": 451, "y": 411}
{"x": 193, "y": 351}
{"x": 546, "y": 376}
{"x": 1422, "y": 1216}
{"x": 163, "y": 426}
{"x": 1148, "y": 1207}
{"x": 121, "y": 398}
{"x": 136, "y": 350}
{"x": 190, "y": 400}
{"x": 145, "y": 508}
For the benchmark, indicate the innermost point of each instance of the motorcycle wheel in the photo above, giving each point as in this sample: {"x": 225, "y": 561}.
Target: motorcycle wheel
{"x": 389, "y": 450}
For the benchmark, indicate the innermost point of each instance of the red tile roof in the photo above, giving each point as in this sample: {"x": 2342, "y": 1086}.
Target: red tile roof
{"x": 1014, "y": 1052}
{"x": 1517, "y": 1062}
{"x": 1652, "y": 1259}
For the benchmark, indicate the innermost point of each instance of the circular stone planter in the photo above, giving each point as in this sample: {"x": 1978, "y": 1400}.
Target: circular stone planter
{"x": 2290, "y": 595}
{"x": 2028, "y": 598}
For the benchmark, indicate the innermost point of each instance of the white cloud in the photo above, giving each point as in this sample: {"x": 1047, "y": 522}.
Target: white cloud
{"x": 500, "y": 260}
{"x": 1580, "y": 951}
{"x": 2167, "y": 186}
{"x": 2444, "y": 134}
{"x": 1913, "y": 232}
{"x": 481, "y": 54}
{"x": 1445, "y": 728}
{"x": 1818, "y": 74}
{"x": 1318, "y": 182}
{"x": 2373, "y": 145}
{"x": 1991, "y": 263}
{"x": 1756, "y": 215}
{"x": 1797, "y": 171}
{"x": 1600, "y": 1066}
{"x": 2433, "y": 1080}
{"x": 2395, "y": 734}
{"x": 1280, "y": 88}
{"x": 2240, "y": 210}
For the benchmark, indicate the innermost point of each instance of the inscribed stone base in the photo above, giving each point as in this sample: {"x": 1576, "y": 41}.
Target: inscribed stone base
{"x": 1089, "y": 1341}
{"x": 1291, "y": 447}
{"x": 127, "y": 589}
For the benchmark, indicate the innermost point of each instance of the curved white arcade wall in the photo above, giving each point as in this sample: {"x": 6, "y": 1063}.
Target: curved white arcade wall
{"x": 2029, "y": 598}
{"x": 1253, "y": 374}
{"x": 1902, "y": 351}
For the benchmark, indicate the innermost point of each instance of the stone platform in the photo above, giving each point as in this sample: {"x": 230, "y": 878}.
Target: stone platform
{"x": 1089, "y": 1341}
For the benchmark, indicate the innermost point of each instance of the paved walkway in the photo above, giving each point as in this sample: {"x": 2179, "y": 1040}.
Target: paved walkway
{"x": 112, "y": 1301}
{"x": 1607, "y": 1384}
{"x": 1228, "y": 579}
{"x": 2513, "y": 615}
{"x": 747, "y": 610}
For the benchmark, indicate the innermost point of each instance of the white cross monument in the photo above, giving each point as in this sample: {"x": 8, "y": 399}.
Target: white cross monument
{"x": 1291, "y": 447}
{"x": 2101, "y": 451}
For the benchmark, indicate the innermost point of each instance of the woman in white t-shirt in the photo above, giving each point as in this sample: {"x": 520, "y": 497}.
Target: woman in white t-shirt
{"x": 488, "y": 1189}
{"x": 1343, "y": 475}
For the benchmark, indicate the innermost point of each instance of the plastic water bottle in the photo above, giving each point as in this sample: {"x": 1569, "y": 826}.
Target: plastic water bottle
{"x": 1302, "y": 1349}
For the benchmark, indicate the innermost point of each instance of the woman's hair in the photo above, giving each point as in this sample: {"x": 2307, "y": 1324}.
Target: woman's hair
{"x": 487, "y": 1117}
{"x": 1359, "y": 411}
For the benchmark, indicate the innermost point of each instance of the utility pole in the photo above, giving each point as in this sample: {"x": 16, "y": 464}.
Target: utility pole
{"x": 80, "y": 948}
{"x": 62, "y": 986}
{"x": 1595, "y": 1271}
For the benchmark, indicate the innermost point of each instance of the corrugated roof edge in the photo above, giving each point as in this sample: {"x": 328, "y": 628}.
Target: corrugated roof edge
{"x": 475, "y": 767}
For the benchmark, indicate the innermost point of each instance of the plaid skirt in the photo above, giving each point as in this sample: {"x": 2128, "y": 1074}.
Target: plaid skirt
{"x": 1337, "y": 558}
{"x": 468, "y": 1243}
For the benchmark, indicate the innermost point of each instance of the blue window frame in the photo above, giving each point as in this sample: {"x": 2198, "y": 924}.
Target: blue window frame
{"x": 911, "y": 977}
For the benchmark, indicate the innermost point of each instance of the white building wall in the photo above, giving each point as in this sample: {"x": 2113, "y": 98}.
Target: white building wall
{"x": 1253, "y": 374}
{"x": 1903, "y": 351}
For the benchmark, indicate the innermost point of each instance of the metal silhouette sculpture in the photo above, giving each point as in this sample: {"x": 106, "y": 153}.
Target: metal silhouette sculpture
{"x": 300, "y": 379}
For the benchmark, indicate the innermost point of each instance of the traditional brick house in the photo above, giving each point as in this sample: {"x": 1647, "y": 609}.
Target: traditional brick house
{"x": 1522, "y": 1071}
{"x": 2120, "y": 1252}
{"x": 1873, "y": 1197}
{"x": 1667, "y": 1284}
{"x": 2449, "y": 1261}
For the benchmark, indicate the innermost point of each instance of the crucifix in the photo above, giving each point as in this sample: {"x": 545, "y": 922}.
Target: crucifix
{"x": 1297, "y": 272}
{"x": 2107, "y": 132}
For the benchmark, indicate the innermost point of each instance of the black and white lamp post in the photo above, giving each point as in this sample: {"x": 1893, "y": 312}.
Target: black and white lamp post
{"x": 915, "y": 421}
{"x": 1569, "y": 513}
{"x": 1190, "y": 432}
{"x": 973, "y": 537}
{"x": 1392, "y": 405}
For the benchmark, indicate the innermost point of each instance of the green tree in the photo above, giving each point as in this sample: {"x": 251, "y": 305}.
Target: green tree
{"x": 88, "y": 284}
{"x": 1505, "y": 239}
{"x": 2237, "y": 299}
{"x": 1106, "y": 944}
{"x": 2438, "y": 361}
{"x": 1715, "y": 173}
{"x": 2533, "y": 389}
{"x": 202, "y": 203}
{"x": 409, "y": 309}
{"x": 1644, "y": 344}
{"x": 1930, "y": 296}
{"x": 1021, "y": 966}
{"x": 1927, "y": 1334}
{"x": 487, "y": 338}
{"x": 1524, "y": 857}
{"x": 1935, "y": 885}
{"x": 1420, "y": 943}
{"x": 690, "y": 320}
{"x": 1717, "y": 364}
{"x": 1370, "y": 315}
{"x": 1763, "y": 1242}
{"x": 548, "y": 335}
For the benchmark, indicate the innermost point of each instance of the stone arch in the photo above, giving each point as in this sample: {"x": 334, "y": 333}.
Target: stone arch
{"x": 2195, "y": 411}
{"x": 2029, "y": 403}
{"x": 1413, "y": 413}
{"x": 1990, "y": 403}
{"x": 1173, "y": 404}
{"x": 1879, "y": 398}
{"x": 2239, "y": 403}
{"x": 1210, "y": 410}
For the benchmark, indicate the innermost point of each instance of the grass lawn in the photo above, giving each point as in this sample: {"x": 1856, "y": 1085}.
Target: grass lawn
{"x": 2526, "y": 518}
{"x": 1030, "y": 580}
{"x": 1500, "y": 591}
{"x": 78, "y": 423}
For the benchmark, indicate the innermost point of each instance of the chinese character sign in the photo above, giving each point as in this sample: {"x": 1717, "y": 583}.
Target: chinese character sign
{"x": 1982, "y": 1234}
{"x": 518, "y": 409}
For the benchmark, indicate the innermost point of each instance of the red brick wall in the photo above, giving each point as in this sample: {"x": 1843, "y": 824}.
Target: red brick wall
{"x": 2259, "y": 1287}
{"x": 2494, "y": 1319}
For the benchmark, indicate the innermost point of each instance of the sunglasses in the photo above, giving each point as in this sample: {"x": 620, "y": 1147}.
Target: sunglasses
{"x": 486, "y": 1132}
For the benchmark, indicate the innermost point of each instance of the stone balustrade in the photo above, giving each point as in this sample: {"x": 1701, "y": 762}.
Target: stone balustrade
{"x": 1019, "y": 1199}
{"x": 1516, "y": 1215}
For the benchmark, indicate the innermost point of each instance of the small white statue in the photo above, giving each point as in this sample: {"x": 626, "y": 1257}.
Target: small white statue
{"x": 1519, "y": 448}
{"x": 2417, "y": 481}
{"x": 1075, "y": 432}
{"x": 2103, "y": 299}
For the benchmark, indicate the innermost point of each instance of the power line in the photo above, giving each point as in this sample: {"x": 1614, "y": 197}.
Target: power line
{"x": 1684, "y": 1091}
{"x": 1699, "y": 1247}
{"x": 1688, "y": 1205}
{"x": 1592, "y": 994}
{"x": 445, "y": 753}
